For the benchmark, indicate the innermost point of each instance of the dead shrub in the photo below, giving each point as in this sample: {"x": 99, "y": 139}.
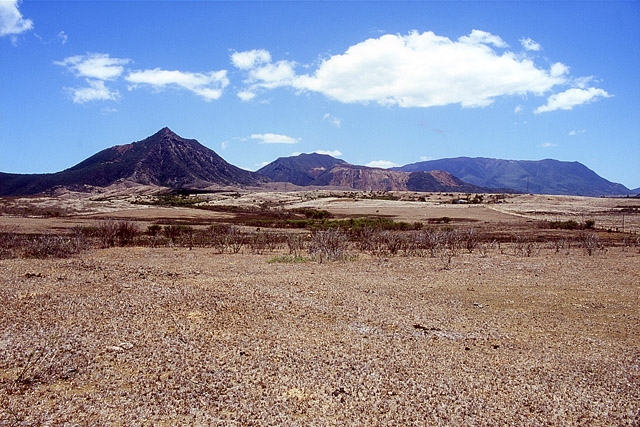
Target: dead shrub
{"x": 53, "y": 246}
{"x": 329, "y": 245}
{"x": 295, "y": 243}
{"x": 116, "y": 233}
{"x": 590, "y": 243}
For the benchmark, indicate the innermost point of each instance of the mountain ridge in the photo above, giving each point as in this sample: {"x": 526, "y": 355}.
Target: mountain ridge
{"x": 547, "y": 176}
{"x": 323, "y": 170}
{"x": 163, "y": 159}
{"x": 167, "y": 160}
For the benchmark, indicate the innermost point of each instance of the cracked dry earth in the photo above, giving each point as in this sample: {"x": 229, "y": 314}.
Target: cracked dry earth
{"x": 148, "y": 336}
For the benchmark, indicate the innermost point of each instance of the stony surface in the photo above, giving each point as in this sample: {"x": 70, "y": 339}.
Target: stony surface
{"x": 165, "y": 336}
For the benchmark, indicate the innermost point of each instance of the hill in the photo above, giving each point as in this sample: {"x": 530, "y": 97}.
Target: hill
{"x": 300, "y": 170}
{"x": 163, "y": 159}
{"x": 542, "y": 176}
{"x": 324, "y": 170}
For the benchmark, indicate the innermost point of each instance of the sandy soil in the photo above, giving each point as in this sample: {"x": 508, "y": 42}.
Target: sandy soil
{"x": 167, "y": 336}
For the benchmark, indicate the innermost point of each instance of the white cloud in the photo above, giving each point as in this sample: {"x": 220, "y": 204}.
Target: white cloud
{"x": 547, "y": 145}
{"x": 11, "y": 20}
{"x": 261, "y": 164}
{"x": 250, "y": 59}
{"x": 529, "y": 44}
{"x": 274, "y": 138}
{"x": 479, "y": 37}
{"x": 583, "y": 82}
{"x": 207, "y": 85}
{"x": 63, "y": 37}
{"x": 425, "y": 158}
{"x": 332, "y": 119}
{"x": 384, "y": 164}
{"x": 333, "y": 153}
{"x": 95, "y": 65}
{"x": 577, "y": 132}
{"x": 415, "y": 70}
{"x": 97, "y": 91}
{"x": 570, "y": 98}
{"x": 518, "y": 109}
{"x": 246, "y": 95}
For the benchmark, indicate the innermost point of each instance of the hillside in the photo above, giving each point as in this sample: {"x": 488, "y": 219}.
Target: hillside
{"x": 300, "y": 170}
{"x": 543, "y": 176}
{"x": 163, "y": 159}
{"x": 324, "y": 170}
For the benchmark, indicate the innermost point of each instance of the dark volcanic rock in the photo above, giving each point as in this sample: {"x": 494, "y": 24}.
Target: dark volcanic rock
{"x": 164, "y": 159}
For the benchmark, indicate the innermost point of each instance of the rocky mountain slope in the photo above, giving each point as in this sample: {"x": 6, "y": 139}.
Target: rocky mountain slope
{"x": 163, "y": 159}
{"x": 324, "y": 170}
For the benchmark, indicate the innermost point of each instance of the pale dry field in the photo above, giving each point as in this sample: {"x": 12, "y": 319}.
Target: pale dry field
{"x": 173, "y": 336}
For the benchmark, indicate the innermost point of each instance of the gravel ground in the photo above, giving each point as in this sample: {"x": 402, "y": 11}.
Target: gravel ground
{"x": 144, "y": 336}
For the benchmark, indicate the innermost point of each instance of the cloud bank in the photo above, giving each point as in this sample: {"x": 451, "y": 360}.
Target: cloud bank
{"x": 414, "y": 70}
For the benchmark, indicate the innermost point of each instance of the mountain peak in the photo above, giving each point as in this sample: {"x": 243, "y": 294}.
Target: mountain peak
{"x": 165, "y": 132}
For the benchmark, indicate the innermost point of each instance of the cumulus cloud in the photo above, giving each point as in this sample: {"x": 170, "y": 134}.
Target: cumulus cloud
{"x": 570, "y": 98}
{"x": 547, "y": 144}
{"x": 332, "y": 119}
{"x": 384, "y": 164}
{"x": 250, "y": 59}
{"x": 332, "y": 153}
{"x": 209, "y": 85}
{"x": 95, "y": 65}
{"x": 97, "y": 91}
{"x": 577, "y": 132}
{"x": 518, "y": 109}
{"x": 274, "y": 138}
{"x": 529, "y": 44}
{"x": 414, "y": 70}
{"x": 11, "y": 20}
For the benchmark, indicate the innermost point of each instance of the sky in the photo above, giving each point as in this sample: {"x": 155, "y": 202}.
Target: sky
{"x": 374, "y": 83}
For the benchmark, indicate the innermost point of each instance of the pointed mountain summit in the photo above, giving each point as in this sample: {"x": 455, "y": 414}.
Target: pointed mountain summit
{"x": 164, "y": 159}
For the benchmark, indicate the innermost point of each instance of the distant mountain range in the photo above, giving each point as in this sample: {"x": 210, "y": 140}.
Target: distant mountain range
{"x": 168, "y": 160}
{"x": 542, "y": 176}
{"x": 323, "y": 170}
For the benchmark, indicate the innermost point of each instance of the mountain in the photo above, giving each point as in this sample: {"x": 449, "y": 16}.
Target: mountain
{"x": 324, "y": 170}
{"x": 163, "y": 159}
{"x": 301, "y": 169}
{"x": 542, "y": 176}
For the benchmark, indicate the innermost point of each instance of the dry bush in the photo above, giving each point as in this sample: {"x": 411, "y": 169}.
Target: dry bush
{"x": 525, "y": 247}
{"x": 329, "y": 245}
{"x": 111, "y": 233}
{"x": 9, "y": 242}
{"x": 295, "y": 243}
{"x": 590, "y": 243}
{"x": 53, "y": 246}
{"x": 470, "y": 239}
{"x": 257, "y": 242}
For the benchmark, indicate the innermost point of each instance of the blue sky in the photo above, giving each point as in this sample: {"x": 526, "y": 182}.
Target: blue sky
{"x": 378, "y": 83}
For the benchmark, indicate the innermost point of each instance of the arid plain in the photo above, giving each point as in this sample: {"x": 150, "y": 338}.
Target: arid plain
{"x": 429, "y": 309}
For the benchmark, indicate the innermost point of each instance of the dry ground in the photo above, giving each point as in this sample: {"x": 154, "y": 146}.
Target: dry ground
{"x": 172, "y": 336}
{"x": 144, "y": 336}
